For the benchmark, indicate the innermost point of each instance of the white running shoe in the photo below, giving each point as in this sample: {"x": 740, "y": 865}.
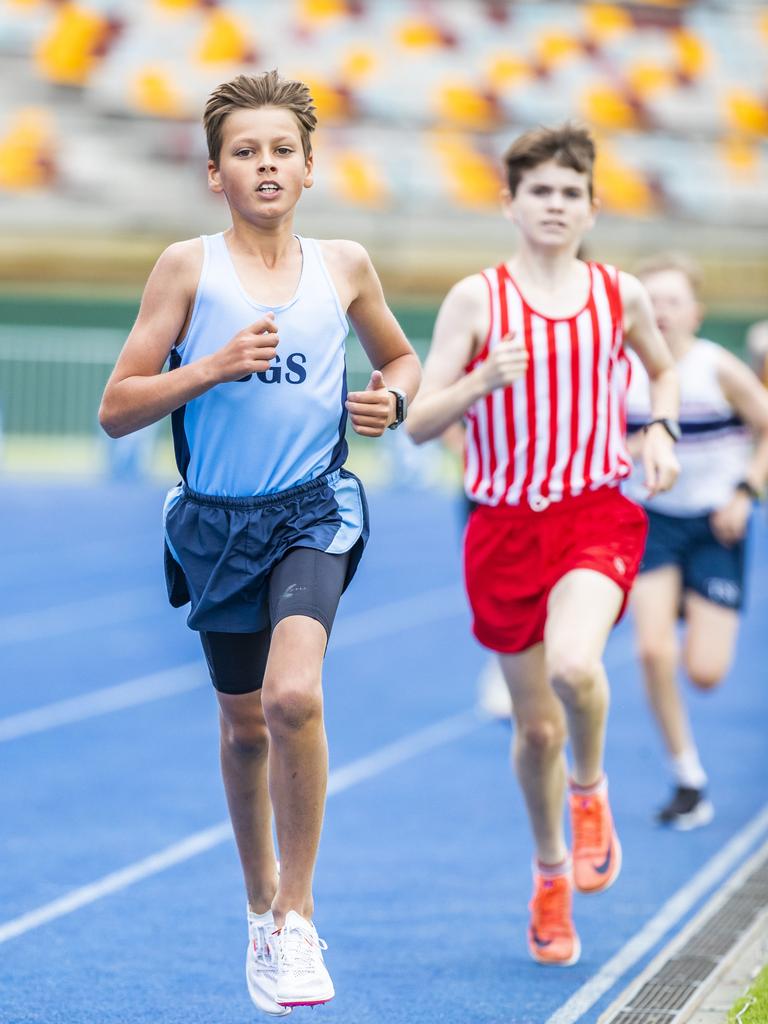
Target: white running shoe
{"x": 261, "y": 964}
{"x": 302, "y": 978}
{"x": 492, "y": 693}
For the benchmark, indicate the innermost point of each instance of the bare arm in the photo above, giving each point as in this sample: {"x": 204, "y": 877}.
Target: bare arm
{"x": 138, "y": 392}
{"x": 642, "y": 334}
{"x": 448, "y": 391}
{"x": 394, "y": 362}
{"x": 750, "y": 401}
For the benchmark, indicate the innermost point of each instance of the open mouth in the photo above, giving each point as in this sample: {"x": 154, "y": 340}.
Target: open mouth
{"x": 268, "y": 188}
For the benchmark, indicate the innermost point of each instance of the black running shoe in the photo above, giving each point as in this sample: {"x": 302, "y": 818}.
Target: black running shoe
{"x": 687, "y": 809}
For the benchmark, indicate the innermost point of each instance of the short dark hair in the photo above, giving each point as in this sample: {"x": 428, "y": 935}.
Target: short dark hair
{"x": 251, "y": 92}
{"x": 570, "y": 145}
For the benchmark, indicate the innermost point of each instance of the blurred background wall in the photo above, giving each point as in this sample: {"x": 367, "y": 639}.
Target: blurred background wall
{"x": 102, "y": 157}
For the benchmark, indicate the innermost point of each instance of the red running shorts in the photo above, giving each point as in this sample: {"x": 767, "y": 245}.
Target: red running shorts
{"x": 514, "y": 555}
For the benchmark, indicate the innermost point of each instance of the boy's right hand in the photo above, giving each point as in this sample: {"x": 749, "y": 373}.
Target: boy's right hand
{"x": 505, "y": 364}
{"x": 250, "y": 351}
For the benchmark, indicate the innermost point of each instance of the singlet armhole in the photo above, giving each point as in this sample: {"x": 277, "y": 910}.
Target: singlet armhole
{"x": 343, "y": 318}
{"x": 483, "y": 352}
{"x": 178, "y": 347}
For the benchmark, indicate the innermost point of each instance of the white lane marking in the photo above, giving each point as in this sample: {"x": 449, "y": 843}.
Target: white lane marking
{"x": 435, "y": 735}
{"x": 694, "y": 926}
{"x": 103, "y": 610}
{"x": 360, "y": 628}
{"x": 670, "y": 913}
{"x": 101, "y": 702}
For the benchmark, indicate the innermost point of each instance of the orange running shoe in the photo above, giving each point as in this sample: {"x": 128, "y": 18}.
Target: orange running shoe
{"x": 596, "y": 847}
{"x": 552, "y": 939}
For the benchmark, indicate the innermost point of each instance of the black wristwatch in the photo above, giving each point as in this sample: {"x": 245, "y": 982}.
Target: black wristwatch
{"x": 672, "y": 427}
{"x": 401, "y": 407}
{"x": 746, "y": 488}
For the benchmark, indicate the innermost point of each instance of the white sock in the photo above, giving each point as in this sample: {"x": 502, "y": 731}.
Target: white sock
{"x": 687, "y": 769}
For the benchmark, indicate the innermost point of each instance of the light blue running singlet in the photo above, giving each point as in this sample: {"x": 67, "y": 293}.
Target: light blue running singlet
{"x": 282, "y": 427}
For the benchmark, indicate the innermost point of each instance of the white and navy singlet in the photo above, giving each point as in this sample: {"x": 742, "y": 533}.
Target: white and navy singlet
{"x": 715, "y": 446}
{"x": 559, "y": 430}
{"x": 280, "y": 428}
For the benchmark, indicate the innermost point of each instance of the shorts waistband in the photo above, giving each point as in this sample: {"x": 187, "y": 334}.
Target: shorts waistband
{"x": 538, "y": 504}
{"x": 260, "y": 500}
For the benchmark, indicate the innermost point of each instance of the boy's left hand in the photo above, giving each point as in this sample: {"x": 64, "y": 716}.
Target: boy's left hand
{"x": 371, "y": 411}
{"x": 659, "y": 460}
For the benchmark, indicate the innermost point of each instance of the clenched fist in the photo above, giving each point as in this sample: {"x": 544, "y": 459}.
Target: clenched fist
{"x": 505, "y": 364}
{"x": 371, "y": 411}
{"x": 250, "y": 351}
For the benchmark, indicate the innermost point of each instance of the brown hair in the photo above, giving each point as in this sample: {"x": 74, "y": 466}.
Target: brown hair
{"x": 251, "y": 92}
{"x": 568, "y": 144}
{"x": 662, "y": 261}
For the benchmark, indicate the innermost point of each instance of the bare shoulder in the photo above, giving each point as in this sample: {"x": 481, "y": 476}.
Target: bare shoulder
{"x": 470, "y": 295}
{"x": 182, "y": 261}
{"x": 630, "y": 288}
{"x": 348, "y": 257}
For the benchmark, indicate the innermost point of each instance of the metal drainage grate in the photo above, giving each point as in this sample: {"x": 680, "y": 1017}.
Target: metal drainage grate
{"x": 662, "y": 998}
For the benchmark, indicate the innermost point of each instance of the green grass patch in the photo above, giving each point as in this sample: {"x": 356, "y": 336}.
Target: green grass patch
{"x": 752, "y": 1008}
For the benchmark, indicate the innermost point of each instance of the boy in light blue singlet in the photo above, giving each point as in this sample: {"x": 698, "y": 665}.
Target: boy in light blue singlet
{"x": 266, "y": 529}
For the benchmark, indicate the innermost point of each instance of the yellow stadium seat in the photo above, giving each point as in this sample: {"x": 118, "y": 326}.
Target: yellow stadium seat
{"x": 358, "y": 181}
{"x": 154, "y": 92}
{"x": 620, "y": 188}
{"x": 553, "y": 48}
{"x": 604, "y": 107}
{"x": 177, "y": 5}
{"x": 69, "y": 51}
{"x": 693, "y": 56}
{"x": 358, "y": 65}
{"x": 747, "y": 113}
{"x": 417, "y": 34}
{"x": 474, "y": 181}
{"x": 464, "y": 105}
{"x": 27, "y": 151}
{"x": 606, "y": 21}
{"x": 648, "y": 77}
{"x": 322, "y": 10}
{"x": 741, "y": 156}
{"x": 330, "y": 101}
{"x": 506, "y": 70}
{"x": 225, "y": 40}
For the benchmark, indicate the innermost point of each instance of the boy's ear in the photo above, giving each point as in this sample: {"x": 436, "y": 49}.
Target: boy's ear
{"x": 214, "y": 182}
{"x": 506, "y": 199}
{"x": 309, "y": 172}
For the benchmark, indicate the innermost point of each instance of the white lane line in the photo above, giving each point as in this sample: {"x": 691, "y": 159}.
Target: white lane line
{"x": 99, "y": 611}
{"x": 670, "y": 913}
{"x": 101, "y": 702}
{"x": 402, "y": 750}
{"x": 385, "y": 619}
{"x": 692, "y": 928}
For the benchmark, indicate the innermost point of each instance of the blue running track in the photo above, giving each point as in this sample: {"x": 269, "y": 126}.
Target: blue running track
{"x": 120, "y": 893}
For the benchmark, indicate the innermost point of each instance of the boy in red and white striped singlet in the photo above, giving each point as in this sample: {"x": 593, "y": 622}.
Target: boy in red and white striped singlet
{"x": 531, "y": 355}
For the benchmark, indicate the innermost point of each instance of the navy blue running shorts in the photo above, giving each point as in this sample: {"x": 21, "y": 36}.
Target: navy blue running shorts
{"x": 708, "y": 567}
{"x": 306, "y": 582}
{"x": 220, "y": 551}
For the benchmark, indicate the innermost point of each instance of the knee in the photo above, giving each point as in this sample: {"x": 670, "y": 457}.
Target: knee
{"x": 541, "y": 737}
{"x": 245, "y": 736}
{"x": 289, "y": 708}
{"x": 657, "y": 651}
{"x": 704, "y": 675}
{"x": 574, "y": 677}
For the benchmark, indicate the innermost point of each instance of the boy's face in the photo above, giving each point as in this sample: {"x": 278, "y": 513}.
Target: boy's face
{"x": 262, "y": 169}
{"x": 677, "y": 310}
{"x": 551, "y": 206}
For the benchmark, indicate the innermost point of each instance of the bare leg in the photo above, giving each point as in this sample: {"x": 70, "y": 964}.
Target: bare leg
{"x": 655, "y": 604}
{"x": 537, "y": 749}
{"x": 710, "y": 640}
{"x": 244, "y": 748}
{"x": 298, "y": 756}
{"x": 583, "y": 607}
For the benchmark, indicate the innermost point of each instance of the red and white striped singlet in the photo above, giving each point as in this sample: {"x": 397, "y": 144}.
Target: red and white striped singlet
{"x": 559, "y": 430}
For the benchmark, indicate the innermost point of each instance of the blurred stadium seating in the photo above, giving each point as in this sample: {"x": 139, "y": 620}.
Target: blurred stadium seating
{"x": 416, "y": 100}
